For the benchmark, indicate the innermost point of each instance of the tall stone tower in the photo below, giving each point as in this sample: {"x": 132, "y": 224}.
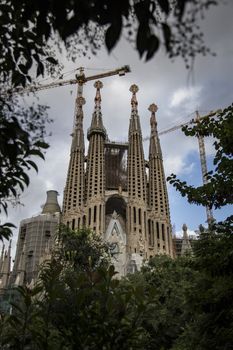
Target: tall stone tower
{"x": 111, "y": 192}
{"x": 136, "y": 178}
{"x": 159, "y": 226}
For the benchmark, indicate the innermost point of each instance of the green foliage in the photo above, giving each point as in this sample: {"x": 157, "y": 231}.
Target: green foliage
{"x": 22, "y": 134}
{"x": 165, "y": 283}
{"x": 27, "y": 28}
{"x": 82, "y": 249}
{"x": 170, "y": 304}
{"x": 76, "y": 308}
{"x": 210, "y": 299}
{"x": 211, "y": 304}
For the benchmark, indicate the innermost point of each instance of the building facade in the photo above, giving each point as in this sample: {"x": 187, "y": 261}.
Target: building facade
{"x": 115, "y": 191}
{"x": 35, "y": 240}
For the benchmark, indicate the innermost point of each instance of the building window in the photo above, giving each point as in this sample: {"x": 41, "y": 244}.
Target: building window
{"x": 95, "y": 213}
{"x": 134, "y": 215}
{"x": 157, "y": 229}
{"x": 163, "y": 235}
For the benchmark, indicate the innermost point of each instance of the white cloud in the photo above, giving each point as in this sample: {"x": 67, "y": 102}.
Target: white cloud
{"x": 177, "y": 165}
{"x": 187, "y": 98}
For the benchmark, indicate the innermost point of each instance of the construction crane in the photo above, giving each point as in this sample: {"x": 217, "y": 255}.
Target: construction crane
{"x": 80, "y": 79}
{"x": 202, "y": 152}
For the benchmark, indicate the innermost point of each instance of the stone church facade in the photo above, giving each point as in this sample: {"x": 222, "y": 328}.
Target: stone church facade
{"x": 115, "y": 191}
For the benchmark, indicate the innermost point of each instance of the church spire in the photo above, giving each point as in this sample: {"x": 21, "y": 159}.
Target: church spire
{"x": 136, "y": 180}
{"x": 134, "y": 125}
{"x": 95, "y": 174}
{"x": 97, "y": 122}
{"x": 159, "y": 225}
{"x": 154, "y": 139}
{"x": 74, "y": 189}
{"x": 77, "y": 135}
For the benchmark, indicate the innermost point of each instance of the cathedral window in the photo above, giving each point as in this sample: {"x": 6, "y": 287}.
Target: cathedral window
{"x": 95, "y": 213}
{"x": 89, "y": 217}
{"x": 134, "y": 215}
{"x": 163, "y": 235}
{"x": 139, "y": 216}
{"x": 157, "y": 229}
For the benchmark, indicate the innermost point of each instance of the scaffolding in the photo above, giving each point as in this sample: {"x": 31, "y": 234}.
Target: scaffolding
{"x": 116, "y": 165}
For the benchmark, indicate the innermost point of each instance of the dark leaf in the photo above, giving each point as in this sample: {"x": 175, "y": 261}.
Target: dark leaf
{"x": 113, "y": 34}
{"x": 167, "y": 35}
{"x": 33, "y": 164}
{"x": 153, "y": 45}
{"x": 52, "y": 60}
{"x": 164, "y": 4}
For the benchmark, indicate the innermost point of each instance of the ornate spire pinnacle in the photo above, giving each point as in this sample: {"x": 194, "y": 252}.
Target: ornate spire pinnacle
{"x": 97, "y": 122}
{"x": 78, "y": 136}
{"x": 98, "y": 85}
{"x": 154, "y": 139}
{"x": 134, "y": 125}
{"x": 134, "y": 103}
{"x": 153, "y": 109}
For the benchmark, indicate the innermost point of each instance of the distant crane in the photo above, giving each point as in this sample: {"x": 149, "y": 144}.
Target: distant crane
{"x": 202, "y": 152}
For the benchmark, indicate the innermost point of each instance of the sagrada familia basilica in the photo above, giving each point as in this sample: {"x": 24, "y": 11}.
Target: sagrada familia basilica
{"x": 113, "y": 190}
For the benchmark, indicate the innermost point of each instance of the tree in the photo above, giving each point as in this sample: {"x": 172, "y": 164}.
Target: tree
{"x": 22, "y": 133}
{"x": 27, "y": 29}
{"x": 211, "y": 305}
{"x": 164, "y": 284}
{"x": 74, "y": 306}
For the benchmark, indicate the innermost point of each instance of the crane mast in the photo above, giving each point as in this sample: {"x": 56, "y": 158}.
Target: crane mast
{"x": 202, "y": 153}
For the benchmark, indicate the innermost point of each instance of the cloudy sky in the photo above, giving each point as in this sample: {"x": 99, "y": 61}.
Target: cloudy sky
{"x": 161, "y": 81}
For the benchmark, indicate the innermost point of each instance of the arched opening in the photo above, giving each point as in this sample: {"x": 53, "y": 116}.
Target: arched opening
{"x": 116, "y": 203}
